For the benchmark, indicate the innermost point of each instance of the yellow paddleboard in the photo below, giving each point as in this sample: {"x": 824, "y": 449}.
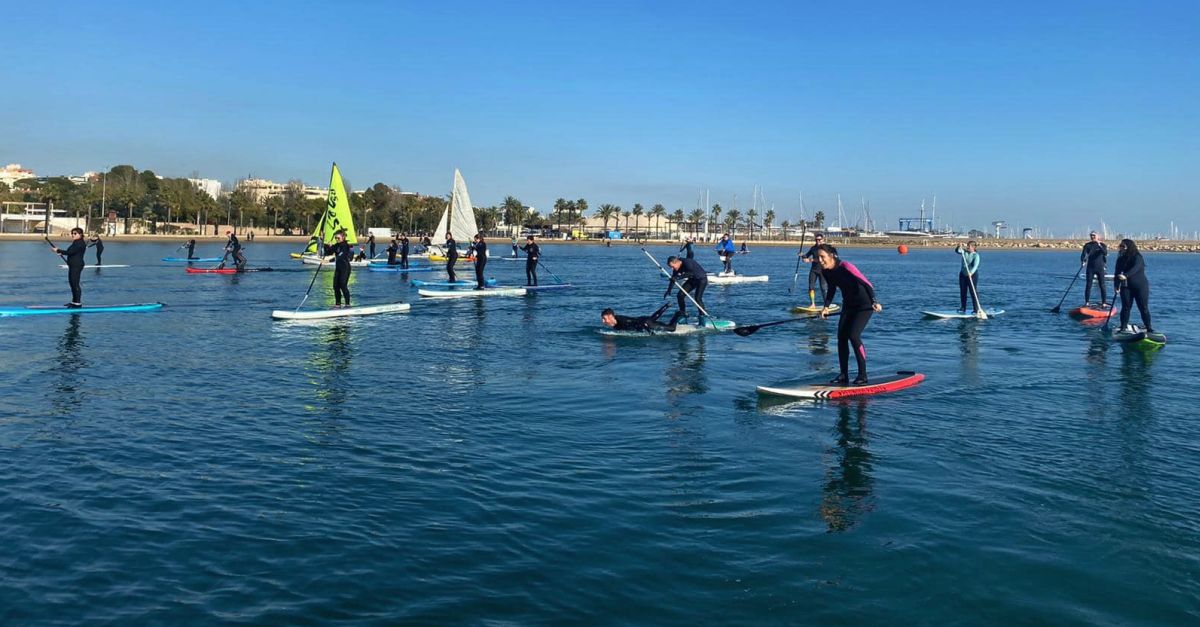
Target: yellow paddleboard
{"x": 812, "y": 310}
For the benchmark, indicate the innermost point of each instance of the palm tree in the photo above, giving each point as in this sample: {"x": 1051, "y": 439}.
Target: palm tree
{"x": 657, "y": 212}
{"x": 677, "y": 217}
{"x": 750, "y": 216}
{"x": 581, "y": 206}
{"x": 819, "y": 219}
{"x": 768, "y": 218}
{"x": 637, "y": 212}
{"x": 716, "y": 214}
{"x": 696, "y": 216}
{"x": 606, "y": 213}
{"x": 784, "y": 225}
{"x": 560, "y": 207}
{"x": 731, "y": 220}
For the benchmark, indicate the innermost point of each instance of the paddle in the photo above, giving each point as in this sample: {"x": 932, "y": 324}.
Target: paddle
{"x": 1111, "y": 306}
{"x": 1058, "y": 307}
{"x": 677, "y": 284}
{"x": 970, "y": 281}
{"x": 60, "y": 255}
{"x": 796, "y": 276}
{"x": 320, "y": 229}
{"x": 751, "y": 329}
{"x": 556, "y": 278}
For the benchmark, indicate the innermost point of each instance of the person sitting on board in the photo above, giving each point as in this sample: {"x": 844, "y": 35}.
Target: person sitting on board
{"x": 1094, "y": 259}
{"x": 858, "y": 303}
{"x": 1131, "y": 283}
{"x": 743, "y": 250}
{"x": 686, "y": 249}
{"x": 479, "y": 249}
{"x": 692, "y": 279}
{"x": 532, "y": 253}
{"x": 99, "y": 244}
{"x": 74, "y": 258}
{"x": 726, "y": 250}
{"x": 393, "y": 246}
{"x": 451, "y": 256}
{"x": 362, "y": 253}
{"x": 968, "y": 277}
{"x": 191, "y": 248}
{"x": 342, "y": 254}
{"x": 650, "y": 323}
{"x": 403, "y": 251}
{"x": 815, "y": 278}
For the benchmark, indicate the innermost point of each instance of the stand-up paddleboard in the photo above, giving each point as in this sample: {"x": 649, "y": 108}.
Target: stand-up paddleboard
{"x": 191, "y": 270}
{"x": 344, "y": 312}
{"x": 192, "y": 260}
{"x": 1140, "y": 338}
{"x": 450, "y": 284}
{"x": 313, "y": 260}
{"x": 490, "y": 258}
{"x": 956, "y": 315}
{"x": 726, "y": 278}
{"x": 549, "y": 286}
{"x": 376, "y": 268}
{"x": 683, "y": 328}
{"x": 813, "y": 310}
{"x": 495, "y": 291}
{"x": 1093, "y": 310}
{"x": 443, "y": 259}
{"x": 882, "y": 385}
{"x": 104, "y": 265}
{"x": 39, "y": 310}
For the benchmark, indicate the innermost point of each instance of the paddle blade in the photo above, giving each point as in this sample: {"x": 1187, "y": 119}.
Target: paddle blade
{"x": 746, "y": 331}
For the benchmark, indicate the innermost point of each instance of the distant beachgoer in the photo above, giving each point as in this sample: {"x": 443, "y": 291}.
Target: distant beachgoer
{"x": 1131, "y": 282}
{"x": 968, "y": 277}
{"x": 479, "y": 249}
{"x": 815, "y": 278}
{"x": 342, "y": 254}
{"x": 532, "y": 253}
{"x": 692, "y": 279}
{"x": 1094, "y": 259}
{"x": 74, "y": 258}
{"x": 858, "y": 303}
{"x": 99, "y": 244}
{"x": 649, "y": 323}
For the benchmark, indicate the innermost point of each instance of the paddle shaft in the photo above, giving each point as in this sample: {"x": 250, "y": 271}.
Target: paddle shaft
{"x": 321, "y": 230}
{"x": 60, "y": 255}
{"x": 1058, "y": 307}
{"x": 678, "y": 284}
{"x": 1112, "y": 305}
{"x": 747, "y": 330}
{"x": 799, "y": 257}
{"x": 556, "y": 278}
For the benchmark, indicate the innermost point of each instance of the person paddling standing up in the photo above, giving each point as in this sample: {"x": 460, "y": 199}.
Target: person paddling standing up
{"x": 191, "y": 248}
{"x": 99, "y": 244}
{"x": 726, "y": 250}
{"x": 371, "y": 244}
{"x": 858, "y": 303}
{"x": 74, "y": 259}
{"x": 532, "y": 253}
{"x": 815, "y": 278}
{"x": 479, "y": 249}
{"x": 403, "y": 251}
{"x": 968, "y": 277}
{"x": 1094, "y": 260}
{"x": 451, "y": 256}
{"x": 1131, "y": 283}
{"x": 687, "y": 249}
{"x": 342, "y": 254}
{"x": 393, "y": 246}
{"x": 514, "y": 247}
{"x": 692, "y": 279}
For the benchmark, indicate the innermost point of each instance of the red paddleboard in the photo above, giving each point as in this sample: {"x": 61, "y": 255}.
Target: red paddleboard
{"x": 211, "y": 271}
{"x": 899, "y": 381}
{"x": 1092, "y": 310}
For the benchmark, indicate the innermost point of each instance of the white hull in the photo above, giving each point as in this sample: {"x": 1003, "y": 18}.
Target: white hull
{"x": 319, "y": 314}
{"x": 519, "y": 291}
{"x": 313, "y": 260}
{"x": 725, "y": 278}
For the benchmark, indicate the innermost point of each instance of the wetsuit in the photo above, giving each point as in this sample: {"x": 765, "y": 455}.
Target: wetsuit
{"x": 815, "y": 278}
{"x": 404, "y": 252}
{"x": 480, "y": 250}
{"x": 451, "y": 257}
{"x": 191, "y": 248}
{"x": 371, "y": 245}
{"x": 74, "y": 254}
{"x": 858, "y": 296}
{"x": 968, "y": 275}
{"x": 1135, "y": 290}
{"x": 99, "y": 250}
{"x": 514, "y": 246}
{"x": 342, "y": 254}
{"x": 532, "y": 253}
{"x": 687, "y": 250}
{"x": 647, "y": 323}
{"x": 691, "y": 278}
{"x": 235, "y": 250}
{"x": 391, "y": 251}
{"x": 1095, "y": 257}
{"x": 726, "y": 250}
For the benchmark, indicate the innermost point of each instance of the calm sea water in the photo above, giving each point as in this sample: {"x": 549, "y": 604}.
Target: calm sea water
{"x": 500, "y": 462}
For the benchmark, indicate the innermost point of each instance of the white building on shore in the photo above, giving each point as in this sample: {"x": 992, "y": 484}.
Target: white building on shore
{"x": 13, "y": 172}
{"x": 212, "y": 187}
{"x": 263, "y": 189}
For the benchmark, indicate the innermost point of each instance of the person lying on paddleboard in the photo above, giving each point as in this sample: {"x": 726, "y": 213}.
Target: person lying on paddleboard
{"x": 726, "y": 250}
{"x": 342, "y": 254}
{"x": 968, "y": 277}
{"x": 686, "y": 249}
{"x": 479, "y": 249}
{"x": 858, "y": 303}
{"x": 1131, "y": 283}
{"x": 649, "y": 323}
{"x": 1094, "y": 259}
{"x": 692, "y": 278}
{"x": 74, "y": 258}
{"x": 532, "y": 253}
{"x": 815, "y": 278}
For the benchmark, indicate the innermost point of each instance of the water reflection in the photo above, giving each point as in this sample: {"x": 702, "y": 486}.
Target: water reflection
{"x": 848, "y": 485}
{"x": 67, "y": 397}
{"x": 686, "y": 375}
{"x": 330, "y": 370}
{"x": 968, "y": 338}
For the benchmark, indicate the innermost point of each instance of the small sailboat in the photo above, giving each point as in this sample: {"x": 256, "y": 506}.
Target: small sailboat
{"x": 458, "y": 219}
{"x": 337, "y": 217}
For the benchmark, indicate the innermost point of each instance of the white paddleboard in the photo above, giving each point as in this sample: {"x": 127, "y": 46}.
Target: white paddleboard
{"x": 106, "y": 265}
{"x": 726, "y": 278}
{"x": 313, "y": 260}
{"x": 683, "y": 328}
{"x": 948, "y": 315}
{"x": 501, "y": 291}
{"x": 318, "y": 314}
{"x": 881, "y": 385}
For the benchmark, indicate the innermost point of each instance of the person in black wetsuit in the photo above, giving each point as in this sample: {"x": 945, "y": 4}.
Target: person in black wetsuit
{"x": 815, "y": 278}
{"x": 393, "y": 246}
{"x": 686, "y": 249}
{"x": 532, "y": 253}
{"x": 691, "y": 278}
{"x": 99, "y": 244}
{"x": 479, "y": 249}
{"x": 74, "y": 258}
{"x": 191, "y": 248}
{"x": 233, "y": 248}
{"x": 342, "y": 254}
{"x": 1094, "y": 259}
{"x": 403, "y": 251}
{"x": 858, "y": 303}
{"x": 1131, "y": 283}
{"x": 362, "y": 254}
{"x": 371, "y": 244}
{"x": 451, "y": 256}
{"x": 650, "y": 323}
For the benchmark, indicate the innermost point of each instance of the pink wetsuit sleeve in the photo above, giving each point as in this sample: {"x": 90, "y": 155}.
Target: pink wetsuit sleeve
{"x": 859, "y": 275}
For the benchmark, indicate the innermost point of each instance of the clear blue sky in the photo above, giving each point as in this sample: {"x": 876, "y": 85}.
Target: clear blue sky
{"x": 1056, "y": 114}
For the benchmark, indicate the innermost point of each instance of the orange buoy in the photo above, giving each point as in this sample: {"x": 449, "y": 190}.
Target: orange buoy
{"x": 902, "y": 249}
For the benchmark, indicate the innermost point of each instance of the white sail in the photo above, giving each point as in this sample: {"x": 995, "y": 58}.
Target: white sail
{"x": 440, "y": 232}
{"x": 462, "y": 216}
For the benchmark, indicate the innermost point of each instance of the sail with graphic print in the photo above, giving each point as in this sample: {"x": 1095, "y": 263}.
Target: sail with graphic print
{"x": 336, "y": 218}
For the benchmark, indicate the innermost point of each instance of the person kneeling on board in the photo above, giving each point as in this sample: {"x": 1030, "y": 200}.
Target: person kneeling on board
{"x": 692, "y": 279}
{"x": 649, "y": 323}
{"x": 968, "y": 277}
{"x": 342, "y": 254}
{"x": 1131, "y": 283}
{"x": 858, "y": 303}
{"x": 479, "y": 249}
{"x": 74, "y": 258}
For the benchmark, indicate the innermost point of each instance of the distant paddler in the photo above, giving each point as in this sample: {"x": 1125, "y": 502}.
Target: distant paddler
{"x": 1131, "y": 283}
{"x": 1094, "y": 260}
{"x": 726, "y": 250}
{"x": 479, "y": 250}
{"x": 858, "y": 303}
{"x": 404, "y": 251}
{"x": 73, "y": 255}
{"x": 514, "y": 247}
{"x": 451, "y": 256}
{"x": 371, "y": 243}
{"x": 233, "y": 248}
{"x": 968, "y": 277}
{"x": 815, "y": 278}
{"x": 649, "y": 323}
{"x": 99, "y": 244}
{"x": 686, "y": 249}
{"x": 362, "y": 253}
{"x": 692, "y": 279}
{"x": 342, "y": 254}
{"x": 533, "y": 252}
{"x": 393, "y": 246}
{"x": 191, "y": 248}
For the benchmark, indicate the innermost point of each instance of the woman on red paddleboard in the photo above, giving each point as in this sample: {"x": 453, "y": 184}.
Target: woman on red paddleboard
{"x": 858, "y": 303}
